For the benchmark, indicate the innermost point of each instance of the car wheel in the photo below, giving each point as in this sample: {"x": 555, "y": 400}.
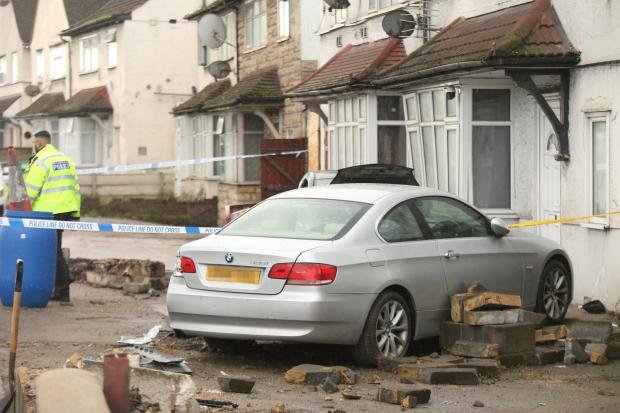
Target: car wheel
{"x": 554, "y": 291}
{"x": 388, "y": 330}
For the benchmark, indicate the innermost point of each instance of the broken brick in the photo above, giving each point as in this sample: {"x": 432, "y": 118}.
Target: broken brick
{"x": 511, "y": 338}
{"x": 315, "y": 375}
{"x": 474, "y": 349}
{"x": 235, "y": 384}
{"x": 481, "y": 318}
{"x": 493, "y": 300}
{"x": 597, "y": 353}
{"x": 574, "y": 348}
{"x": 484, "y": 367}
{"x": 460, "y": 376}
{"x": 550, "y": 333}
{"x": 613, "y": 350}
{"x": 410, "y": 402}
{"x": 329, "y": 386}
{"x": 390, "y": 364}
{"x": 396, "y": 394}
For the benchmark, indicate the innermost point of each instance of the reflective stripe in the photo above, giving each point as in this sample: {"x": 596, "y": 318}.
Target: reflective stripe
{"x": 33, "y": 187}
{"x": 55, "y": 155}
{"x": 59, "y": 178}
{"x": 41, "y": 164}
{"x": 58, "y": 189}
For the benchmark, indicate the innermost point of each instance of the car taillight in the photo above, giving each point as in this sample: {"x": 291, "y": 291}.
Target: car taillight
{"x": 187, "y": 265}
{"x": 304, "y": 273}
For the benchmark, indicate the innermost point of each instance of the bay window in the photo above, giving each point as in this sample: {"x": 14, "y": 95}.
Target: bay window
{"x": 391, "y": 131}
{"x": 347, "y": 132}
{"x": 78, "y": 139}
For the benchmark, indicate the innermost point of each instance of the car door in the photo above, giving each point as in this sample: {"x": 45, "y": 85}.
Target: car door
{"x": 469, "y": 250}
{"x": 412, "y": 260}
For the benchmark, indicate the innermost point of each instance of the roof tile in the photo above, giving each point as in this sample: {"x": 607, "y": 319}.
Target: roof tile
{"x": 43, "y": 106}
{"x": 6, "y": 102}
{"x": 110, "y": 13}
{"x": 196, "y": 102}
{"x": 86, "y": 101}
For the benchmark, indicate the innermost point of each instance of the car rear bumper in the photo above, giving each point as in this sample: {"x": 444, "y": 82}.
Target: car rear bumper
{"x": 302, "y": 314}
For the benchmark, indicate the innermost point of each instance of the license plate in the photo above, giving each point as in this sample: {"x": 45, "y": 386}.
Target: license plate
{"x": 245, "y": 275}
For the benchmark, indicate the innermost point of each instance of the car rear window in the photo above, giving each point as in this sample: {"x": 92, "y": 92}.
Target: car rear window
{"x": 311, "y": 219}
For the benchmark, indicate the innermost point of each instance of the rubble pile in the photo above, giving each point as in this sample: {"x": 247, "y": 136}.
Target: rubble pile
{"x": 133, "y": 276}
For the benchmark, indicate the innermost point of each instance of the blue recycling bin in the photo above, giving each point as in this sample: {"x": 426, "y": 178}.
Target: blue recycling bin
{"x": 37, "y": 247}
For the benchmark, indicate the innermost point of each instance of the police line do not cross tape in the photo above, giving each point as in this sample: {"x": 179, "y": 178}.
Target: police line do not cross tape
{"x": 101, "y": 227}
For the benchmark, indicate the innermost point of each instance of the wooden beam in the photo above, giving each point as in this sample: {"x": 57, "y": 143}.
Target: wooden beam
{"x": 261, "y": 114}
{"x": 315, "y": 108}
{"x": 524, "y": 80}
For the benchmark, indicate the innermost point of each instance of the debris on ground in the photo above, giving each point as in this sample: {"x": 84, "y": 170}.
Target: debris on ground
{"x": 235, "y": 384}
{"x": 397, "y": 393}
{"x": 116, "y": 273}
{"x": 551, "y": 333}
{"x": 145, "y": 339}
{"x": 478, "y": 403}
{"x": 216, "y": 403}
{"x": 313, "y": 374}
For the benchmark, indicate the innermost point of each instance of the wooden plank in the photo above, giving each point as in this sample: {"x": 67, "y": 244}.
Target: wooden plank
{"x": 491, "y": 298}
{"x": 456, "y": 306}
{"x": 483, "y": 318}
{"x": 550, "y": 333}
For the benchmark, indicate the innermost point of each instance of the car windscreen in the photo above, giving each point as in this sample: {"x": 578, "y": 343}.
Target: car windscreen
{"x": 299, "y": 218}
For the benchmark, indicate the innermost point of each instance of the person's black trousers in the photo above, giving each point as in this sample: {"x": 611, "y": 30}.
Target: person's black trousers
{"x": 63, "y": 278}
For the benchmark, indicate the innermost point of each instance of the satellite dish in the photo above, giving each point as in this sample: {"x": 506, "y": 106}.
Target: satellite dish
{"x": 211, "y": 31}
{"x": 32, "y": 90}
{"x": 219, "y": 69}
{"x": 398, "y": 23}
{"x": 337, "y": 4}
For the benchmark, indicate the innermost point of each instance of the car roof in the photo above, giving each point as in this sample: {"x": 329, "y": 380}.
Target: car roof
{"x": 367, "y": 193}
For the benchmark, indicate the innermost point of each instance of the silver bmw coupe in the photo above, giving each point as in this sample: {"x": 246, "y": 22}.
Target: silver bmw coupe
{"x": 370, "y": 266}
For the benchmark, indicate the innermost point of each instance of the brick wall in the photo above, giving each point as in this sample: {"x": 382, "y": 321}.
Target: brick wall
{"x": 285, "y": 55}
{"x": 235, "y": 194}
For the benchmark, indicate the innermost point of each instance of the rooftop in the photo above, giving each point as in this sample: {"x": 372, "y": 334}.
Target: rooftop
{"x": 112, "y": 12}
{"x": 196, "y": 102}
{"x": 86, "y": 101}
{"x": 43, "y": 106}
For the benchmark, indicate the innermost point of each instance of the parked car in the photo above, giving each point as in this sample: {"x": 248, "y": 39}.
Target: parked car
{"x": 317, "y": 178}
{"x": 364, "y": 265}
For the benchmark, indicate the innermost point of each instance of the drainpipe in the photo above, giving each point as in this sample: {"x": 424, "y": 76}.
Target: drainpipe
{"x": 69, "y": 66}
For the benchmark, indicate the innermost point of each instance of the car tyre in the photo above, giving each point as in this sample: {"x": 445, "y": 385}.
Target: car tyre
{"x": 388, "y": 330}
{"x": 554, "y": 291}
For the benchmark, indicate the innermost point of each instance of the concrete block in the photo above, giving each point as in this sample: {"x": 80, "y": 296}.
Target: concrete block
{"x": 390, "y": 365}
{"x": 613, "y": 350}
{"x": 537, "y": 319}
{"x": 474, "y": 349}
{"x": 491, "y": 300}
{"x": 511, "y": 338}
{"x": 460, "y": 376}
{"x": 527, "y": 358}
{"x": 409, "y": 402}
{"x": 549, "y": 355}
{"x": 235, "y": 384}
{"x": 484, "y": 367}
{"x": 329, "y": 386}
{"x": 397, "y": 393}
{"x": 69, "y": 391}
{"x": 456, "y": 306}
{"x": 591, "y": 331}
{"x": 141, "y": 287}
{"x": 574, "y": 350}
{"x": 314, "y": 375}
{"x": 481, "y": 318}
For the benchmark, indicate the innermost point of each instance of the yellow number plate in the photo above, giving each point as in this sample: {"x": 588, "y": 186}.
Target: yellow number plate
{"x": 245, "y": 275}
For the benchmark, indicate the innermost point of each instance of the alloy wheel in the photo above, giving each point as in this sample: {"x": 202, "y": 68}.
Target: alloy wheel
{"x": 555, "y": 293}
{"x": 392, "y": 329}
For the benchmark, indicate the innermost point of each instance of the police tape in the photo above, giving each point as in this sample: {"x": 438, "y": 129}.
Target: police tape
{"x": 173, "y": 164}
{"x": 101, "y": 227}
{"x": 560, "y": 220}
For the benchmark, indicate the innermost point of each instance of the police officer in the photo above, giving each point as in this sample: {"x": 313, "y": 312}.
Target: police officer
{"x": 52, "y": 185}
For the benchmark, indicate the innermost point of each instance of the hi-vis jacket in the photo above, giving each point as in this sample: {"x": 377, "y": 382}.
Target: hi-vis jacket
{"x": 51, "y": 182}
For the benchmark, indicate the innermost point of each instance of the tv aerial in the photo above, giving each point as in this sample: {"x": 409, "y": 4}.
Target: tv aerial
{"x": 212, "y": 31}
{"x": 399, "y": 23}
{"x": 219, "y": 69}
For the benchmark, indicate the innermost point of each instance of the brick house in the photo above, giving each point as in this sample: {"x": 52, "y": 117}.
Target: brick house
{"x": 271, "y": 46}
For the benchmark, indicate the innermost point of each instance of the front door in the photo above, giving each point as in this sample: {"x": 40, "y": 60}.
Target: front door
{"x": 549, "y": 179}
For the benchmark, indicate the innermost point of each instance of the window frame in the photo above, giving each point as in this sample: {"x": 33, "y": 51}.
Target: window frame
{"x": 58, "y": 51}
{"x": 286, "y": 34}
{"x": 591, "y": 118}
{"x": 456, "y": 201}
{"x": 112, "y": 48}
{"x": 14, "y": 67}
{"x": 251, "y": 21}
{"x": 93, "y": 50}
{"x": 343, "y": 157}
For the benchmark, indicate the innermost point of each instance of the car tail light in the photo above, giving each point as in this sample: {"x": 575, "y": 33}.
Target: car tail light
{"x": 304, "y": 273}
{"x": 187, "y": 265}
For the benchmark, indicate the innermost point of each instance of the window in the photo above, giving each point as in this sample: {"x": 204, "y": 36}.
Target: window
{"x": 89, "y": 54}
{"x": 255, "y": 24}
{"x": 78, "y": 139}
{"x": 400, "y": 225}
{"x": 283, "y": 19}
{"x": 432, "y": 126}
{"x": 219, "y": 145}
{"x": 391, "y": 131}
{"x": 340, "y": 15}
{"x": 449, "y": 218}
{"x": 3, "y": 70}
{"x": 380, "y": 4}
{"x": 57, "y": 62}
{"x": 312, "y": 219}
{"x": 491, "y": 148}
{"x": 14, "y": 67}
{"x": 39, "y": 65}
{"x": 598, "y": 138}
{"x": 347, "y": 132}
{"x": 253, "y": 132}
{"x": 112, "y": 46}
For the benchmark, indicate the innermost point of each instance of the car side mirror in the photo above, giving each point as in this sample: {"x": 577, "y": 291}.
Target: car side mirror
{"x": 499, "y": 227}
